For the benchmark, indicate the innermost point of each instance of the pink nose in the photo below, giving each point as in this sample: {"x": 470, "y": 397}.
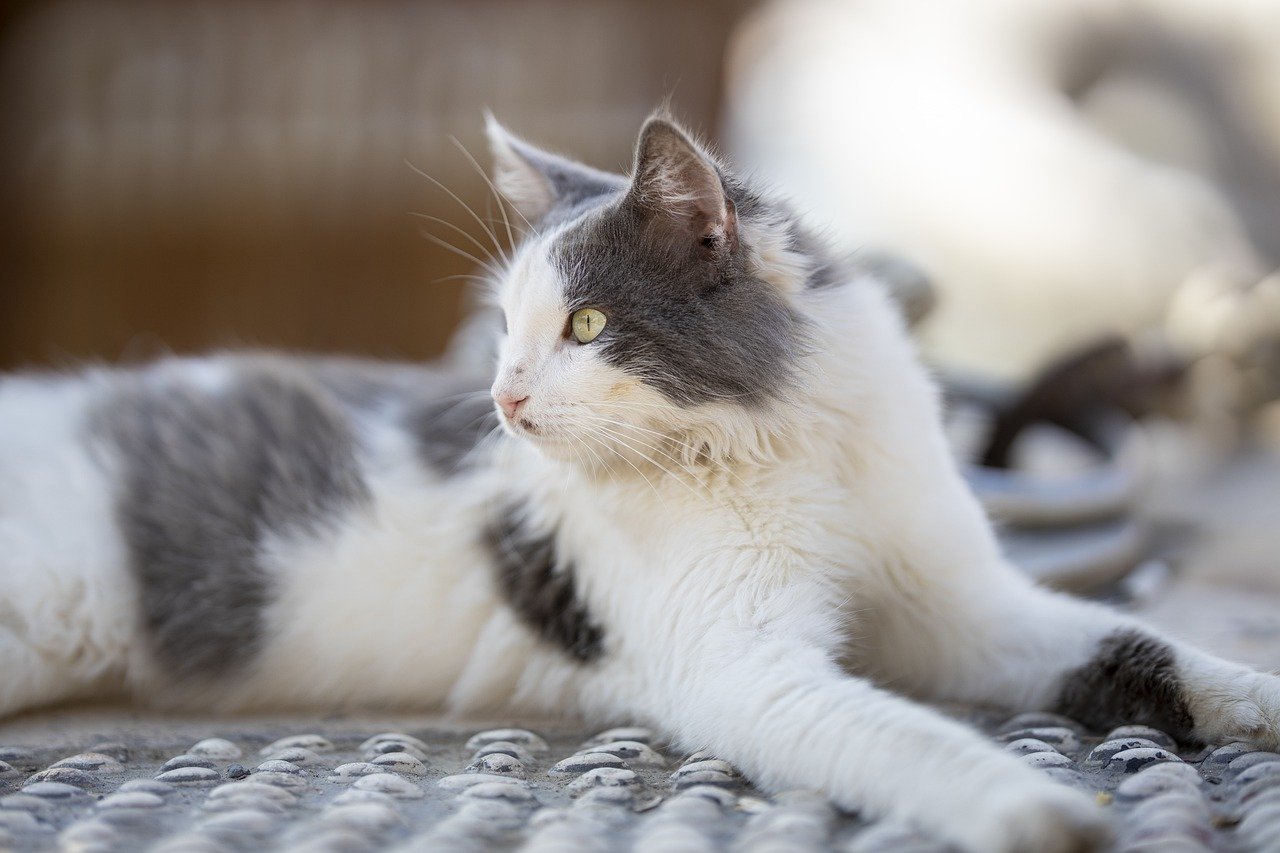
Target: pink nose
{"x": 509, "y": 403}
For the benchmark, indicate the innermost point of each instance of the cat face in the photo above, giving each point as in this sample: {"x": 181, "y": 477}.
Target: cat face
{"x": 642, "y": 310}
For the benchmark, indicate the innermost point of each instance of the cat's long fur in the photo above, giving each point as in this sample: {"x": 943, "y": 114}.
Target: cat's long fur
{"x": 733, "y": 514}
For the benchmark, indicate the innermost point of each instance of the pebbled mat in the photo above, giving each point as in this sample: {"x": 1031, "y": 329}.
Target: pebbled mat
{"x": 339, "y": 785}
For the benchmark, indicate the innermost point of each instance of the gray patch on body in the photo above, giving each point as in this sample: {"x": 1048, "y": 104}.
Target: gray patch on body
{"x": 447, "y": 429}
{"x": 540, "y": 587}
{"x": 1131, "y": 678}
{"x": 205, "y": 475}
{"x": 697, "y": 330}
{"x": 448, "y": 414}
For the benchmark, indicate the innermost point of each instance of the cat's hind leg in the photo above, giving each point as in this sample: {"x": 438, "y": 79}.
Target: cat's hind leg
{"x": 999, "y": 639}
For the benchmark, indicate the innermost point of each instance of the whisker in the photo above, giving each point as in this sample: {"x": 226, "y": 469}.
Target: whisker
{"x": 458, "y": 199}
{"x": 445, "y": 244}
{"x": 450, "y": 225}
{"x": 493, "y": 187}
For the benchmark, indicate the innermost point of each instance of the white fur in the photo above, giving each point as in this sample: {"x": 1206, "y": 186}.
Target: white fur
{"x": 757, "y": 576}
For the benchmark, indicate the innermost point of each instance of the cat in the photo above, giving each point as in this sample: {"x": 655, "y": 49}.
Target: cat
{"x": 706, "y": 488}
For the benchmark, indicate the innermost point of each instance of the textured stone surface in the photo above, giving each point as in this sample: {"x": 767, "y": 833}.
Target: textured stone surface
{"x": 344, "y": 783}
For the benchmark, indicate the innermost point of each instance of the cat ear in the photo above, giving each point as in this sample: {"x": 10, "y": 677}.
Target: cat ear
{"x": 537, "y": 182}
{"x": 676, "y": 177}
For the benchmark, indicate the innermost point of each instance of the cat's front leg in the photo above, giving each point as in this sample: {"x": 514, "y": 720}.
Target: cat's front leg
{"x": 997, "y": 638}
{"x": 785, "y": 714}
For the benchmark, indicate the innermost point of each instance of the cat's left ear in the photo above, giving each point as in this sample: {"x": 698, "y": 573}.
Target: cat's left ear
{"x": 675, "y": 177}
{"x": 536, "y": 182}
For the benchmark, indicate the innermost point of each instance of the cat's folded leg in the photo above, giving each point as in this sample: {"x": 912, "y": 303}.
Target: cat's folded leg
{"x": 787, "y": 716}
{"x": 1006, "y": 641}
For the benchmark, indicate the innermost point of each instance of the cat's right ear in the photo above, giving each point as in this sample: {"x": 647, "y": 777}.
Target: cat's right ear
{"x": 537, "y": 182}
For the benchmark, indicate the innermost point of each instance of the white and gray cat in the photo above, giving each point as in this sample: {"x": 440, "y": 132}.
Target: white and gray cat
{"x": 720, "y": 498}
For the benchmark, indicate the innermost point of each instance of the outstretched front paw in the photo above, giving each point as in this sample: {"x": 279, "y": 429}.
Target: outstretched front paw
{"x": 1241, "y": 706}
{"x": 1042, "y": 817}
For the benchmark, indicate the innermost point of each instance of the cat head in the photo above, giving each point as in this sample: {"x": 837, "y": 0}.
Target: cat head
{"x": 645, "y": 315}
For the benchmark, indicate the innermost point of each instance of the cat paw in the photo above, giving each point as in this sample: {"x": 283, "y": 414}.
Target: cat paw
{"x": 1042, "y": 817}
{"x": 1244, "y": 707}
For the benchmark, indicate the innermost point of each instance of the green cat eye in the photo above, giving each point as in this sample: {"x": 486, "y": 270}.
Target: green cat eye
{"x": 586, "y": 324}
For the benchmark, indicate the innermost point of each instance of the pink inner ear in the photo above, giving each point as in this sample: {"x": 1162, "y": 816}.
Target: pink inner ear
{"x": 674, "y": 177}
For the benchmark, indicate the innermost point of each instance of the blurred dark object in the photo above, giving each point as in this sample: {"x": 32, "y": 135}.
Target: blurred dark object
{"x": 187, "y": 175}
{"x": 1085, "y": 394}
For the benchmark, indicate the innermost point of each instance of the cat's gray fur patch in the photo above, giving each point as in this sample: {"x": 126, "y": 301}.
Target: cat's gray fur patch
{"x": 1132, "y": 677}
{"x": 204, "y": 476}
{"x": 696, "y": 331}
{"x": 447, "y": 414}
{"x": 538, "y": 584}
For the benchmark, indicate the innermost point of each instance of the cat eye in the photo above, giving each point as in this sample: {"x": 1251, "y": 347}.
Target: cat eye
{"x": 586, "y": 324}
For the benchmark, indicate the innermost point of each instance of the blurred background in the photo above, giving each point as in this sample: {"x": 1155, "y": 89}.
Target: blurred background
{"x": 1080, "y": 199}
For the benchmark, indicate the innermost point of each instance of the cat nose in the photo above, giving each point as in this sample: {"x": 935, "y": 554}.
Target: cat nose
{"x": 509, "y": 403}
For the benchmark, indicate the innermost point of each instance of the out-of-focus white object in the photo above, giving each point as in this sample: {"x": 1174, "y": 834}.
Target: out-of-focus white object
{"x": 979, "y": 139}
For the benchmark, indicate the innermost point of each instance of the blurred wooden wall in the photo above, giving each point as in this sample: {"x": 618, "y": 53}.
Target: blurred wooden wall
{"x": 187, "y": 175}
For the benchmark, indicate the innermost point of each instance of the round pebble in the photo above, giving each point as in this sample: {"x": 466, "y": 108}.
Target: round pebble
{"x": 189, "y": 776}
{"x": 1133, "y": 760}
{"x": 241, "y": 821}
{"x": 1159, "y": 738}
{"x": 368, "y": 817}
{"x": 1040, "y": 720}
{"x": 67, "y": 776}
{"x": 27, "y": 803}
{"x": 237, "y": 771}
{"x": 499, "y": 763}
{"x": 1244, "y": 762}
{"x": 576, "y": 764}
{"x": 389, "y": 784}
{"x": 1062, "y": 739}
{"x": 1158, "y": 779}
{"x": 627, "y": 733}
{"x": 89, "y": 835}
{"x": 400, "y": 762}
{"x": 1044, "y": 760}
{"x": 17, "y": 755}
{"x": 1105, "y": 751}
{"x": 131, "y": 800}
{"x": 635, "y": 753}
{"x": 150, "y": 786}
{"x": 21, "y": 821}
{"x": 505, "y": 747}
{"x": 253, "y": 790}
{"x": 463, "y": 781}
{"x": 1028, "y": 746}
{"x": 119, "y": 751}
{"x": 399, "y": 738}
{"x": 188, "y": 761}
{"x": 280, "y": 780}
{"x": 387, "y": 747}
{"x": 216, "y": 748}
{"x": 92, "y": 762}
{"x": 355, "y": 795}
{"x": 703, "y": 777}
{"x": 278, "y": 766}
{"x": 55, "y": 791}
{"x": 315, "y": 743}
{"x": 706, "y": 764}
{"x": 604, "y": 777}
{"x": 523, "y": 737}
{"x": 502, "y": 791}
{"x": 297, "y": 756}
{"x": 354, "y": 770}
{"x": 715, "y": 793}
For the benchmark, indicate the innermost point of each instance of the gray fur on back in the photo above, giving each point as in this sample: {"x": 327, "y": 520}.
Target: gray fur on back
{"x": 204, "y": 477}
